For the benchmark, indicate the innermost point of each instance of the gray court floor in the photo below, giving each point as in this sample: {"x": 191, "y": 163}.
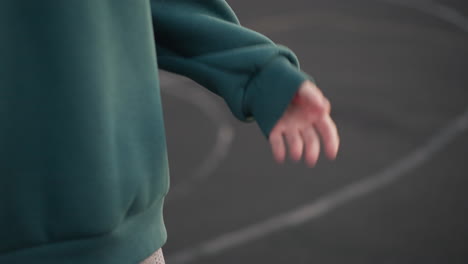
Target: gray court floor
{"x": 396, "y": 73}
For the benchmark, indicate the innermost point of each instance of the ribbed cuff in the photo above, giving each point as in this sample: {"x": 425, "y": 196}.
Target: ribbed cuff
{"x": 270, "y": 92}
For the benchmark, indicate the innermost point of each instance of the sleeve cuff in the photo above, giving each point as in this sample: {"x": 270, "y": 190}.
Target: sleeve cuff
{"x": 270, "y": 92}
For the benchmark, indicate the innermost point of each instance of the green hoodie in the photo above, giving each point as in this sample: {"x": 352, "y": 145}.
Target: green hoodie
{"x": 83, "y": 158}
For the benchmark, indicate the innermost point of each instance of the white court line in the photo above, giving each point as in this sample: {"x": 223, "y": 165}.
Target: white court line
{"x": 171, "y": 84}
{"x": 355, "y": 190}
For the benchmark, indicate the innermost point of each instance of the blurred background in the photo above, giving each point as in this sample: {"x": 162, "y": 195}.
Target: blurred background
{"x": 396, "y": 73}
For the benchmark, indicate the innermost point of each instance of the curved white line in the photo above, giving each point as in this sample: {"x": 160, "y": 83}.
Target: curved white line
{"x": 172, "y": 85}
{"x": 355, "y": 190}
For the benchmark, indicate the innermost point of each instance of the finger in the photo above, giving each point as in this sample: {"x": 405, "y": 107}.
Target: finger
{"x": 326, "y": 106}
{"x": 312, "y": 145}
{"x": 329, "y": 134}
{"x": 295, "y": 144}
{"x": 277, "y": 146}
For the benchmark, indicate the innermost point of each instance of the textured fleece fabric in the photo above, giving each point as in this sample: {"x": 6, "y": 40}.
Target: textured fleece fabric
{"x": 83, "y": 159}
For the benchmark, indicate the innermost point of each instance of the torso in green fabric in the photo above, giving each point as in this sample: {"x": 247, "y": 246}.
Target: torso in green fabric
{"x": 82, "y": 142}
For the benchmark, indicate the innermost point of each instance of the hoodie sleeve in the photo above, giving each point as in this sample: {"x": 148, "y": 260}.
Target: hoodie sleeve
{"x": 204, "y": 41}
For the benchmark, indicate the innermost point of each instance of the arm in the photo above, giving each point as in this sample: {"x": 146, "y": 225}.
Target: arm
{"x": 203, "y": 40}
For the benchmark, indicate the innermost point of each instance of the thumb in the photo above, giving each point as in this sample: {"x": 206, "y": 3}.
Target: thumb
{"x": 309, "y": 94}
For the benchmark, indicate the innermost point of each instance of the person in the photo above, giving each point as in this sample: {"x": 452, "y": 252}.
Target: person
{"x": 83, "y": 155}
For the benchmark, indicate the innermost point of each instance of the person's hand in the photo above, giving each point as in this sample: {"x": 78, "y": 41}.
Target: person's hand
{"x": 307, "y": 116}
